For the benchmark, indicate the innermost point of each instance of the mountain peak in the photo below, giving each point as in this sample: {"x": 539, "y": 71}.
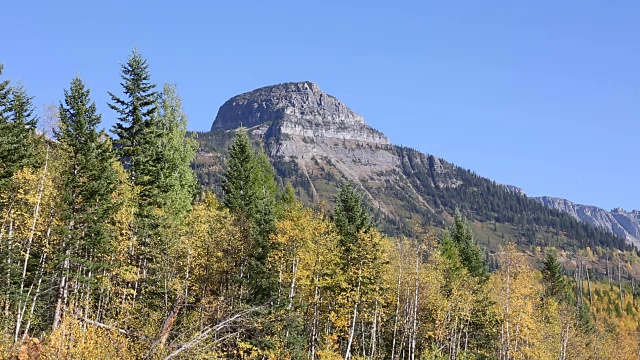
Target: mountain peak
{"x": 287, "y": 100}
{"x": 297, "y": 109}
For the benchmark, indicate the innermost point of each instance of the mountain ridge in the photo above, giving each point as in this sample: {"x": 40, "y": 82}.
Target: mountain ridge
{"x": 623, "y": 223}
{"x": 317, "y": 143}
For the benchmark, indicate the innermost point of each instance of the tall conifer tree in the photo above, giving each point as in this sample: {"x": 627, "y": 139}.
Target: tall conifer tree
{"x": 249, "y": 191}
{"x": 4, "y": 98}
{"x": 471, "y": 254}
{"x": 350, "y": 218}
{"x": 19, "y": 140}
{"x": 171, "y": 183}
{"x": 136, "y": 112}
{"x": 553, "y": 277}
{"x": 88, "y": 180}
{"x": 239, "y": 183}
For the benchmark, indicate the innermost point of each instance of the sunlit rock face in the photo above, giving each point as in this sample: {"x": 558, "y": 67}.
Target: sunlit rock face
{"x": 296, "y": 109}
{"x": 623, "y": 223}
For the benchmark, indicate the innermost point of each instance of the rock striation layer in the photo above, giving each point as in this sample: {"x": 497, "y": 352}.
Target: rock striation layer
{"x": 618, "y": 221}
{"x": 297, "y": 109}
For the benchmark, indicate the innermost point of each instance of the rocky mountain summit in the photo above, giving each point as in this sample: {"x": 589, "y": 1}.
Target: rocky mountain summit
{"x": 618, "y": 221}
{"x": 316, "y": 143}
{"x": 306, "y": 125}
{"x": 297, "y": 109}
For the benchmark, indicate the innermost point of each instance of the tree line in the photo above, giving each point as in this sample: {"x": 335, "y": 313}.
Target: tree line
{"x": 108, "y": 250}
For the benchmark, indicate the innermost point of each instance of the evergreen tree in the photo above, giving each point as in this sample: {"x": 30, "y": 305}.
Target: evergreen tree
{"x": 239, "y": 181}
{"x": 171, "y": 183}
{"x": 4, "y": 98}
{"x": 5, "y": 148}
{"x": 287, "y": 199}
{"x": 350, "y": 215}
{"x": 249, "y": 190}
{"x": 451, "y": 267}
{"x": 19, "y": 141}
{"x": 263, "y": 283}
{"x": 88, "y": 180}
{"x": 136, "y": 113}
{"x": 471, "y": 254}
{"x": 553, "y": 277}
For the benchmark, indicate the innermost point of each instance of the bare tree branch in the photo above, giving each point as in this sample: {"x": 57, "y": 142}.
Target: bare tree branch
{"x": 210, "y": 330}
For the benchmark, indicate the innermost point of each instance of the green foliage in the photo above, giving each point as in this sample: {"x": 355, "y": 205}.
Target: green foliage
{"x": 18, "y": 139}
{"x": 136, "y": 112}
{"x": 87, "y": 182}
{"x": 471, "y": 254}
{"x": 553, "y": 278}
{"x": 287, "y": 198}
{"x": 87, "y": 175}
{"x": 249, "y": 189}
{"x": 239, "y": 182}
{"x": 171, "y": 183}
{"x": 350, "y": 215}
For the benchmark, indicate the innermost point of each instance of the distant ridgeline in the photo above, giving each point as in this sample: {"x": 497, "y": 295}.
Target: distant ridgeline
{"x": 316, "y": 143}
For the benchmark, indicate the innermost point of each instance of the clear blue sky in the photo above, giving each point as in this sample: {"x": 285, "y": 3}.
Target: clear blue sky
{"x": 544, "y": 95}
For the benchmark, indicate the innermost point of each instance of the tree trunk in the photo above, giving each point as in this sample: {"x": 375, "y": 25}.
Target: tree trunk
{"x": 352, "y": 329}
{"x": 160, "y": 340}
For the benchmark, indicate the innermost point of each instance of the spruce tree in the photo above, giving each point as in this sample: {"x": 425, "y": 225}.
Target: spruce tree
{"x": 249, "y": 191}
{"x": 136, "y": 113}
{"x": 461, "y": 252}
{"x": 19, "y": 140}
{"x": 350, "y": 218}
{"x": 553, "y": 277}
{"x": 263, "y": 219}
{"x": 239, "y": 183}
{"x": 350, "y": 215}
{"x": 4, "y": 98}
{"x": 286, "y": 199}
{"x": 471, "y": 254}
{"x": 5, "y": 149}
{"x": 88, "y": 180}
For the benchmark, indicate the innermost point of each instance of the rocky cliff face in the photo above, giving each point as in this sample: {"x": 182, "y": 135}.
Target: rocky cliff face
{"x": 618, "y": 221}
{"x": 514, "y": 189}
{"x": 296, "y": 109}
{"x": 303, "y": 124}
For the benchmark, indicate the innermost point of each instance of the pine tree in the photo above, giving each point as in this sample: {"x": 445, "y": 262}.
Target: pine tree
{"x": 263, "y": 283}
{"x": 451, "y": 265}
{"x": 136, "y": 112}
{"x": 88, "y": 181}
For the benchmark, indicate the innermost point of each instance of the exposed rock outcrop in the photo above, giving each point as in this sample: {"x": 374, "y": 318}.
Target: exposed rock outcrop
{"x": 296, "y": 109}
{"x": 618, "y": 221}
{"x": 514, "y": 189}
